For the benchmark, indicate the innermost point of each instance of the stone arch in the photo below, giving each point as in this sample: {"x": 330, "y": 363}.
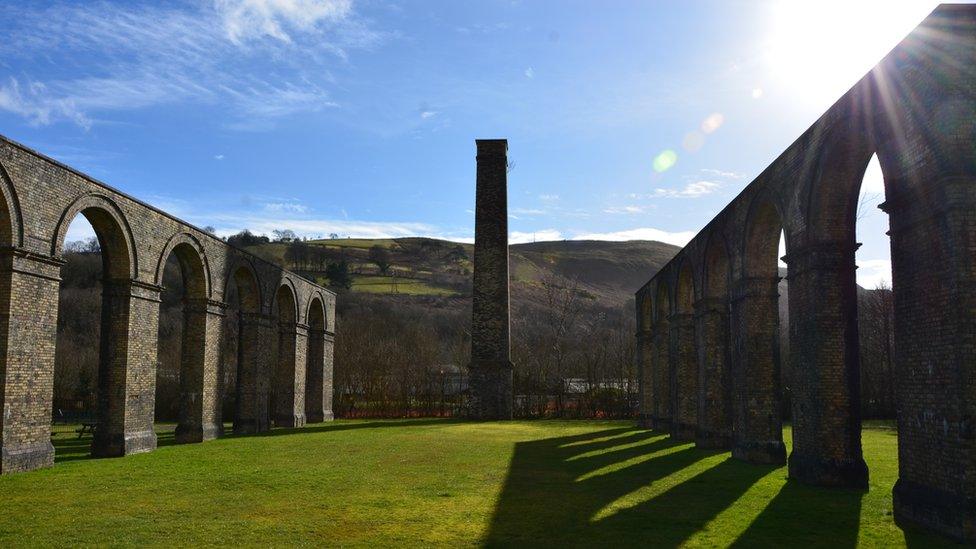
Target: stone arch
{"x": 285, "y": 302}
{"x": 760, "y": 245}
{"x": 318, "y": 385}
{"x": 316, "y": 304}
{"x": 11, "y": 221}
{"x": 287, "y": 398}
{"x": 119, "y": 252}
{"x": 661, "y": 357}
{"x": 754, "y": 321}
{"x": 684, "y": 357}
{"x": 713, "y": 339}
{"x": 194, "y": 264}
{"x": 198, "y": 401}
{"x": 243, "y": 274}
{"x": 829, "y": 201}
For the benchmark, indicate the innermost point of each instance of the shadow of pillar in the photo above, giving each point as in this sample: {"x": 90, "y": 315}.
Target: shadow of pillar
{"x": 556, "y": 487}
{"x": 786, "y": 521}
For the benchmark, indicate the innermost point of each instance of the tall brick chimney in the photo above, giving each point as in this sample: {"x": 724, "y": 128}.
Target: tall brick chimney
{"x": 491, "y": 366}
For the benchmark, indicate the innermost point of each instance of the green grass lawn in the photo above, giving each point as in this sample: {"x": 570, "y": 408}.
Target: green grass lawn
{"x": 438, "y": 482}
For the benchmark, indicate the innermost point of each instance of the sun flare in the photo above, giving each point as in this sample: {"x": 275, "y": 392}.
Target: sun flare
{"x": 817, "y": 50}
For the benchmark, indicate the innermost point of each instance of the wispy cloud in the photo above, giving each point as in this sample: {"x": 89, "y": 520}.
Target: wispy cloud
{"x": 723, "y": 174}
{"x": 691, "y": 190}
{"x": 633, "y": 209}
{"x": 530, "y": 72}
{"x": 528, "y": 211}
{"x": 252, "y": 56}
{"x": 548, "y": 197}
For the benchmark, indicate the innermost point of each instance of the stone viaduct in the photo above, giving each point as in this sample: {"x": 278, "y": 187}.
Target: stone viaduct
{"x": 285, "y": 322}
{"x": 708, "y": 335}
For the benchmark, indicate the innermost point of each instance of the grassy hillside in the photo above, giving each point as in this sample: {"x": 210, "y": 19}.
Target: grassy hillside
{"x": 608, "y": 272}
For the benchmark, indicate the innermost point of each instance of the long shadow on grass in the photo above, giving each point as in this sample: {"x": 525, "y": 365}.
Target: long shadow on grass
{"x": 563, "y": 490}
{"x": 806, "y": 516}
{"x": 74, "y": 449}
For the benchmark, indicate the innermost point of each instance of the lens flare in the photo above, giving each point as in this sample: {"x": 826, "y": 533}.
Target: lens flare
{"x": 664, "y": 161}
{"x": 693, "y": 141}
{"x": 712, "y": 123}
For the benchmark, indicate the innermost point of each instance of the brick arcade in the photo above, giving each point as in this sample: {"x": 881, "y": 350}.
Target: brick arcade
{"x": 286, "y": 323}
{"x": 708, "y": 335}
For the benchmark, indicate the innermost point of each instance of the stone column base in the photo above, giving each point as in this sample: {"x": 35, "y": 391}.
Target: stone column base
{"x": 683, "y": 431}
{"x": 707, "y": 440}
{"x": 491, "y": 385}
{"x": 761, "y": 453}
{"x": 186, "y": 434}
{"x": 26, "y": 458}
{"x": 662, "y": 424}
{"x": 645, "y": 421}
{"x": 831, "y": 473}
{"x": 950, "y": 514}
{"x": 245, "y": 427}
{"x": 290, "y": 420}
{"x": 123, "y": 445}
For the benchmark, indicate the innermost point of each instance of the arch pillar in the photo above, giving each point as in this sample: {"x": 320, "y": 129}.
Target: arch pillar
{"x": 645, "y": 374}
{"x": 199, "y": 371}
{"x": 127, "y": 368}
{"x": 714, "y": 391}
{"x": 254, "y": 366}
{"x": 290, "y": 375}
{"x": 933, "y": 252}
{"x": 28, "y": 335}
{"x": 826, "y": 366}
{"x": 318, "y": 394}
{"x": 661, "y": 374}
{"x": 684, "y": 377}
{"x": 756, "y": 396}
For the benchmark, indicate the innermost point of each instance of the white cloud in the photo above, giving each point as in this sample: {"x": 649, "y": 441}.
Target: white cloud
{"x": 624, "y": 210}
{"x": 286, "y": 207}
{"x": 679, "y": 238}
{"x": 691, "y": 190}
{"x": 120, "y": 57}
{"x": 723, "y": 174}
{"x": 255, "y": 19}
{"x": 218, "y": 157}
{"x": 516, "y": 237}
{"x": 872, "y": 272}
{"x": 528, "y": 211}
{"x": 529, "y": 73}
{"x": 428, "y": 114}
{"x": 548, "y": 197}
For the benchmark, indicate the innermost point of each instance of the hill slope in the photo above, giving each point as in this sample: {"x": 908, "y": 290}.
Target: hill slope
{"x": 608, "y": 272}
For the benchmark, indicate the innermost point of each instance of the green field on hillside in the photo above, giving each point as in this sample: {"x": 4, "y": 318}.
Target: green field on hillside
{"x": 438, "y": 482}
{"x": 378, "y": 284}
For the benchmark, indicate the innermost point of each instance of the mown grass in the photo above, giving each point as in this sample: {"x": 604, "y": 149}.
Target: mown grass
{"x": 360, "y": 243}
{"x": 379, "y": 284}
{"x": 439, "y": 482}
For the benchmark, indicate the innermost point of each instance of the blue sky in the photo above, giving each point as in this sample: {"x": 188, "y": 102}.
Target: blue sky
{"x": 359, "y": 117}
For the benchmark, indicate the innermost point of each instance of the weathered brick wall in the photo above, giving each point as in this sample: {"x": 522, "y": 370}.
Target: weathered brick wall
{"x": 39, "y": 198}
{"x": 917, "y": 111}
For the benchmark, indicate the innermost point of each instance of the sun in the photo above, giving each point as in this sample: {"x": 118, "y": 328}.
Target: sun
{"x": 816, "y": 51}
